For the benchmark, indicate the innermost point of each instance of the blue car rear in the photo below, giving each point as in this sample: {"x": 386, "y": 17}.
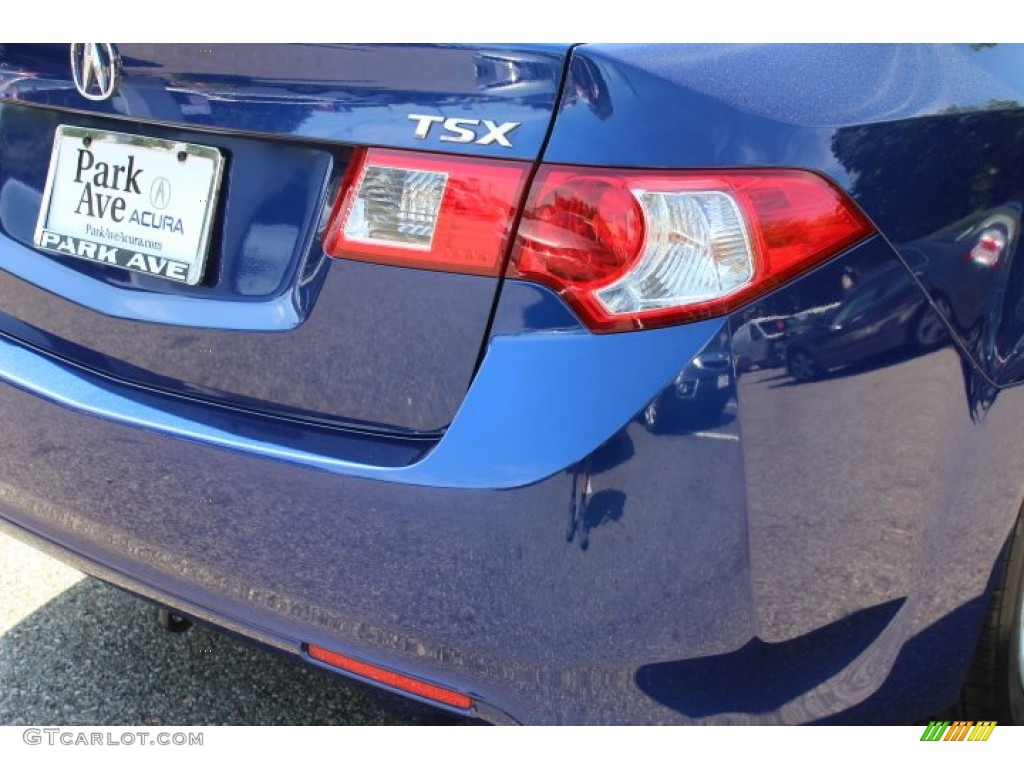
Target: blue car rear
{"x": 439, "y": 450}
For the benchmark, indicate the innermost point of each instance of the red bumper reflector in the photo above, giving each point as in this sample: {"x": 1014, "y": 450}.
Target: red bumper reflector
{"x": 392, "y": 679}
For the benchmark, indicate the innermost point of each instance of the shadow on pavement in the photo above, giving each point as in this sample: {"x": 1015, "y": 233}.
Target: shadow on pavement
{"x": 95, "y": 655}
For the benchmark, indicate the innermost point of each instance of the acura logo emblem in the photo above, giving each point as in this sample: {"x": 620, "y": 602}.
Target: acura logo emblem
{"x": 160, "y": 193}
{"x": 96, "y": 68}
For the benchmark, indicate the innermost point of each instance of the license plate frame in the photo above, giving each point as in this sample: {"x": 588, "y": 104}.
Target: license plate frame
{"x": 168, "y": 192}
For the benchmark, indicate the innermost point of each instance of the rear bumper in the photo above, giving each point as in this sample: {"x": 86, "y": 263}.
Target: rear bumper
{"x": 803, "y": 558}
{"x": 476, "y": 589}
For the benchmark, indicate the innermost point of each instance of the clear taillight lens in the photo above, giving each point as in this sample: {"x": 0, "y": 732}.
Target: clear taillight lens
{"x": 632, "y": 249}
{"x": 428, "y": 211}
{"x": 697, "y": 249}
{"x": 395, "y": 206}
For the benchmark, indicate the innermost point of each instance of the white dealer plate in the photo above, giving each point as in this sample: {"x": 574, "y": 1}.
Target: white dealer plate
{"x": 130, "y": 201}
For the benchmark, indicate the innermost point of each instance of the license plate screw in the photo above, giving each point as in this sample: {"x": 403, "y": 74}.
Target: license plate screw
{"x": 182, "y": 157}
{"x": 86, "y": 141}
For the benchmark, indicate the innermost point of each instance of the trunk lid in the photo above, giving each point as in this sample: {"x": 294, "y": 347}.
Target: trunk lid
{"x": 274, "y": 325}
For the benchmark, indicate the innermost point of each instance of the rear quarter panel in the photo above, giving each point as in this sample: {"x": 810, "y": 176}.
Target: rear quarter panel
{"x": 898, "y": 478}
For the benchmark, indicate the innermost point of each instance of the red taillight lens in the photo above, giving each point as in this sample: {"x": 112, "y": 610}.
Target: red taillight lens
{"x": 584, "y": 234}
{"x": 429, "y": 211}
{"x": 632, "y": 249}
{"x": 392, "y": 679}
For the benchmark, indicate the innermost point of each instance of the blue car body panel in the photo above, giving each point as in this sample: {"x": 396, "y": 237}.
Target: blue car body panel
{"x": 377, "y": 354}
{"x": 535, "y": 535}
{"x": 354, "y": 94}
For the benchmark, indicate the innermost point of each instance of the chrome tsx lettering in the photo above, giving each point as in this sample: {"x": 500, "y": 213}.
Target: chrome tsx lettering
{"x": 461, "y": 130}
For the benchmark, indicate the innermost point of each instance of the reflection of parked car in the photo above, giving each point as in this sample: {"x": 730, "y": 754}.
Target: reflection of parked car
{"x": 698, "y": 395}
{"x": 961, "y": 264}
{"x": 759, "y": 343}
{"x": 884, "y": 312}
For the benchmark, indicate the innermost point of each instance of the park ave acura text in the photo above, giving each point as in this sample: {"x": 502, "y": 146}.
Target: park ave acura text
{"x": 541, "y": 383}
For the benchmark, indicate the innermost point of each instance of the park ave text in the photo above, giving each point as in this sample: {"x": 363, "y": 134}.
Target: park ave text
{"x": 154, "y": 265}
{"x": 101, "y": 198}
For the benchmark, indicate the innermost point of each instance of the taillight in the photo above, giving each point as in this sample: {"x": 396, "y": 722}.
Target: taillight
{"x": 626, "y": 249}
{"x": 429, "y": 211}
{"x": 639, "y": 249}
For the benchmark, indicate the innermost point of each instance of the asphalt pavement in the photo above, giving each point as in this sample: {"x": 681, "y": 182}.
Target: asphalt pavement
{"x": 76, "y": 651}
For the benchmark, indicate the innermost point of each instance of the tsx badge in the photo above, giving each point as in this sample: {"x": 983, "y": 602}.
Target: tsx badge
{"x": 463, "y": 130}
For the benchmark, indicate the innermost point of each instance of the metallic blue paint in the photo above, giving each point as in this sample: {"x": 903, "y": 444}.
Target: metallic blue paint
{"x": 738, "y": 106}
{"x": 356, "y": 94}
{"x": 258, "y": 309}
{"x": 569, "y": 419}
{"x": 802, "y": 551}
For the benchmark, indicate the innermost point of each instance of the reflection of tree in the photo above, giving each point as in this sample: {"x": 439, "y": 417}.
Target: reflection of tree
{"x": 586, "y": 84}
{"x": 916, "y": 176}
{"x": 240, "y": 102}
{"x": 590, "y": 510}
{"x": 992, "y": 105}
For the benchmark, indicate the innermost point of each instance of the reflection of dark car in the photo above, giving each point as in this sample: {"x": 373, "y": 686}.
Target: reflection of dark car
{"x": 698, "y": 395}
{"x": 961, "y": 264}
{"x": 884, "y": 312}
